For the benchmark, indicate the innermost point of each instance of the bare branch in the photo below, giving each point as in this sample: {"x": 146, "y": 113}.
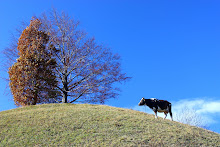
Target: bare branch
{"x": 78, "y": 96}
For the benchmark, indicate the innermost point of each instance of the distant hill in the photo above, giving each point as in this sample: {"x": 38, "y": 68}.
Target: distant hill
{"x": 95, "y": 125}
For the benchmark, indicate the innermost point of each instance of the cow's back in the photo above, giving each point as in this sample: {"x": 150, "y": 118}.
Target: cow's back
{"x": 163, "y": 104}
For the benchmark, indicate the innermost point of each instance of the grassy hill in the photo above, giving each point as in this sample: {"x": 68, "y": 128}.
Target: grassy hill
{"x": 95, "y": 125}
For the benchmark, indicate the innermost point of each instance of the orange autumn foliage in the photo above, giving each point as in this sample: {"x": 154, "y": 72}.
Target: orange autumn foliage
{"x": 32, "y": 77}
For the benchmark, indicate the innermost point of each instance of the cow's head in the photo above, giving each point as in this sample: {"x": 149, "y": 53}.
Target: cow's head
{"x": 142, "y": 102}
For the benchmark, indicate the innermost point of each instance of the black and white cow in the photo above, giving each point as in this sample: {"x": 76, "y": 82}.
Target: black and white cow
{"x": 157, "y": 106}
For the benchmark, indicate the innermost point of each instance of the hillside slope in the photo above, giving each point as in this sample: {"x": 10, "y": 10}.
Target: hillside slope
{"x": 95, "y": 125}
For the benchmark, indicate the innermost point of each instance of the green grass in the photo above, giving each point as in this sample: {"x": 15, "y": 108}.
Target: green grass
{"x": 95, "y": 125}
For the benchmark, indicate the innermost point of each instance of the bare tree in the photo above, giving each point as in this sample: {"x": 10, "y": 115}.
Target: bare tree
{"x": 189, "y": 116}
{"x": 85, "y": 69}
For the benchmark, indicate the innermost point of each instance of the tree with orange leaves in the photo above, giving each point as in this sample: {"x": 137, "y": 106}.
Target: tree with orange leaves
{"x": 32, "y": 77}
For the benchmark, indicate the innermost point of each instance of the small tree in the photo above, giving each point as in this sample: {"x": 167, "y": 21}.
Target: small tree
{"x": 32, "y": 77}
{"x": 189, "y": 116}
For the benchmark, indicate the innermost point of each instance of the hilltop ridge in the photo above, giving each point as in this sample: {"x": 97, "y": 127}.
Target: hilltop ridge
{"x": 95, "y": 125}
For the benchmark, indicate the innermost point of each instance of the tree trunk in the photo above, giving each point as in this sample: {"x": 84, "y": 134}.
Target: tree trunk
{"x": 64, "y": 100}
{"x": 34, "y": 102}
{"x": 65, "y": 89}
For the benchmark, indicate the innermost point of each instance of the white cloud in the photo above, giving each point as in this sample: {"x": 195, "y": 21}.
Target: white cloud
{"x": 210, "y": 107}
{"x": 201, "y": 105}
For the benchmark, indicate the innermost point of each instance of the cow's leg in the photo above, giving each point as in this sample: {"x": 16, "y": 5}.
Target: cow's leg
{"x": 170, "y": 113}
{"x": 171, "y": 116}
{"x": 165, "y": 113}
{"x": 155, "y": 114}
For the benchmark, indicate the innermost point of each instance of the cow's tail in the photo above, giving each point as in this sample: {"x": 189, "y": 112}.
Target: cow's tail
{"x": 171, "y": 115}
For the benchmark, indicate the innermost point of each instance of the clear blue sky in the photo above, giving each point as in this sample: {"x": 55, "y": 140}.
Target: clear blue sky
{"x": 170, "y": 48}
